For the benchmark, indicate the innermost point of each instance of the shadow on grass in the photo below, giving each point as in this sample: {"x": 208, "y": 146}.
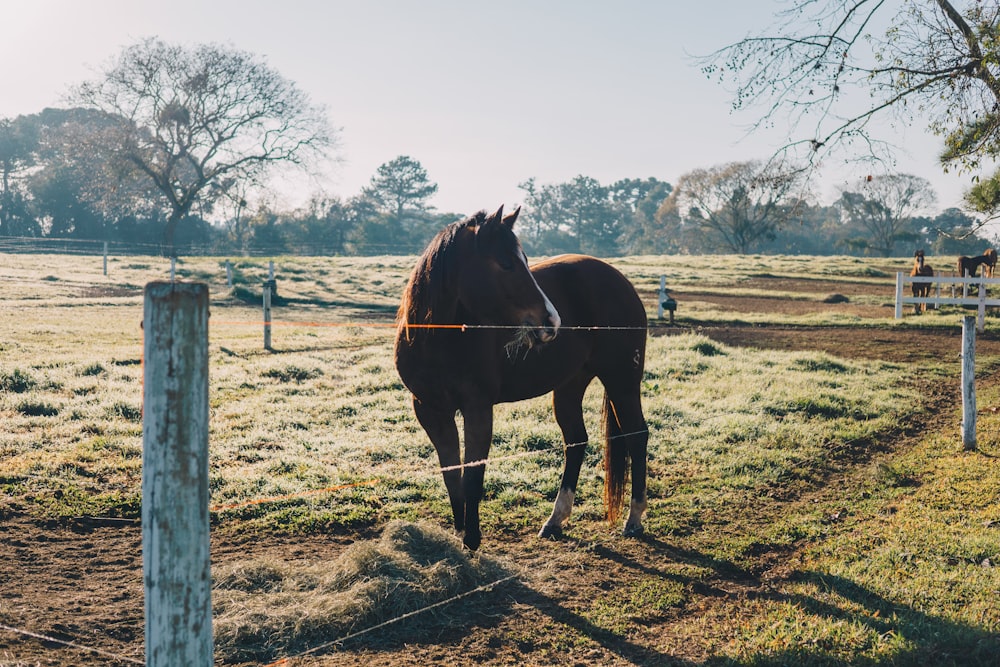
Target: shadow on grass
{"x": 922, "y": 639}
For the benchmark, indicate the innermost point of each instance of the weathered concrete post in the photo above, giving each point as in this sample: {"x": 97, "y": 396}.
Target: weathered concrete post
{"x": 267, "y": 314}
{"x": 175, "y": 522}
{"x": 969, "y": 382}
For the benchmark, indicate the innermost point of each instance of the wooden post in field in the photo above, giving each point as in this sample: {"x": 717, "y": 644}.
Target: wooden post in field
{"x": 969, "y": 382}
{"x": 229, "y": 274}
{"x": 175, "y": 526}
{"x": 173, "y": 269}
{"x": 105, "y": 258}
{"x": 663, "y": 293}
{"x": 267, "y": 314}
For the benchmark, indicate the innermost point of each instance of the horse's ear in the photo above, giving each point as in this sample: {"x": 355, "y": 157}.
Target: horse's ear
{"x": 491, "y": 221}
{"x": 496, "y": 217}
{"x": 508, "y": 220}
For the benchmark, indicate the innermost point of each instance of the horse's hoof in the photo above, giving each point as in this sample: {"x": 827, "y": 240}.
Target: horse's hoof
{"x": 634, "y": 531}
{"x": 550, "y": 532}
{"x": 472, "y": 542}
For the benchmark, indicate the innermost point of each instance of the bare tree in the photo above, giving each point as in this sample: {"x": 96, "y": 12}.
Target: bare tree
{"x": 742, "y": 203}
{"x": 885, "y": 206}
{"x": 190, "y": 117}
{"x": 833, "y": 66}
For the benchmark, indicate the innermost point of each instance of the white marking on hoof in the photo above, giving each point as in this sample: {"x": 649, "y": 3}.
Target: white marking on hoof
{"x": 560, "y": 512}
{"x": 633, "y": 525}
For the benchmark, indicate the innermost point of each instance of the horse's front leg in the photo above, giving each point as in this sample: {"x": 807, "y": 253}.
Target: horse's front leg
{"x": 478, "y": 437}
{"x": 443, "y": 433}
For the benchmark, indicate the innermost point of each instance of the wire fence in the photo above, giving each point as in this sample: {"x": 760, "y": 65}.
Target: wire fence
{"x": 71, "y": 247}
{"x": 77, "y": 246}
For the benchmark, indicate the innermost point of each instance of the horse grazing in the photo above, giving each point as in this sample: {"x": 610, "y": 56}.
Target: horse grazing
{"x": 920, "y": 289}
{"x": 969, "y": 265}
{"x": 477, "y": 327}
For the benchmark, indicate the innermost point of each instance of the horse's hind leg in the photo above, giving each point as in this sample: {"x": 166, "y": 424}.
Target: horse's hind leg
{"x": 567, "y": 402}
{"x": 627, "y": 422}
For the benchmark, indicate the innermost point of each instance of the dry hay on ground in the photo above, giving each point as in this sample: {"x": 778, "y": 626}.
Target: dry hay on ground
{"x": 269, "y": 609}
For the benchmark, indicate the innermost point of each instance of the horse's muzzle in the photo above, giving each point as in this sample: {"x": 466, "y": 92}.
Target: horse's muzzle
{"x": 546, "y": 332}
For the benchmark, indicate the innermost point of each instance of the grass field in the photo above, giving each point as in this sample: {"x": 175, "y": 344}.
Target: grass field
{"x": 797, "y": 515}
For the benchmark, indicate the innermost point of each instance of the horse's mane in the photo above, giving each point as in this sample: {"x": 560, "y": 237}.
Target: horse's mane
{"x": 427, "y": 294}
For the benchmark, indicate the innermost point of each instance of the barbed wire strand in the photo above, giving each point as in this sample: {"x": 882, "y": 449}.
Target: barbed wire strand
{"x": 394, "y": 325}
{"x": 426, "y": 473}
{"x": 354, "y": 635}
{"x": 69, "y": 644}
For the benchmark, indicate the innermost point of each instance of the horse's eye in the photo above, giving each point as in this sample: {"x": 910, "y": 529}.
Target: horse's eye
{"x": 505, "y": 262}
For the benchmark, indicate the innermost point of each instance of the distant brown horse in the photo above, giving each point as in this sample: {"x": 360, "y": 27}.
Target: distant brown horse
{"x": 477, "y": 327}
{"x": 970, "y": 265}
{"x": 920, "y": 289}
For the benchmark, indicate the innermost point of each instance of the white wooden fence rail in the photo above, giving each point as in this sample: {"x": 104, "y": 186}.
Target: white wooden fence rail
{"x": 953, "y": 285}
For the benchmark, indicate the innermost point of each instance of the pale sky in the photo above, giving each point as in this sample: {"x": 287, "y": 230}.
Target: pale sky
{"x": 483, "y": 95}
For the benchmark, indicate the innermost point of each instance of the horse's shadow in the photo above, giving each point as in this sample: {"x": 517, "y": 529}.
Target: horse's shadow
{"x": 926, "y": 639}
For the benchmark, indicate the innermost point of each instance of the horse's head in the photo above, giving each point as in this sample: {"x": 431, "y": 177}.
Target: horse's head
{"x": 991, "y": 260}
{"x": 495, "y": 284}
{"x": 918, "y": 259}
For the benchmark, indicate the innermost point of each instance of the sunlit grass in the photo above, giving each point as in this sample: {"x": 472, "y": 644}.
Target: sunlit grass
{"x": 318, "y": 436}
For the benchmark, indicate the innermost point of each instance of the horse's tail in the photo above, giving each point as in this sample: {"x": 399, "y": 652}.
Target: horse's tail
{"x": 616, "y": 462}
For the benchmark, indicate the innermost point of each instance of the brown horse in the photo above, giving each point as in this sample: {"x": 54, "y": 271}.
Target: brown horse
{"x": 477, "y": 327}
{"x": 969, "y": 265}
{"x": 920, "y": 289}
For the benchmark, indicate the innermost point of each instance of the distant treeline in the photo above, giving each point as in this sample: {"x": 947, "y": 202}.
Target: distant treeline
{"x": 57, "y": 195}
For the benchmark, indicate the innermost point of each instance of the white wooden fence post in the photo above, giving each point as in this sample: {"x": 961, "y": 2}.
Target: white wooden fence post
{"x": 229, "y": 274}
{"x": 899, "y": 295}
{"x": 173, "y": 269}
{"x": 175, "y": 523}
{"x": 105, "y": 258}
{"x": 267, "y": 315}
{"x": 968, "y": 382}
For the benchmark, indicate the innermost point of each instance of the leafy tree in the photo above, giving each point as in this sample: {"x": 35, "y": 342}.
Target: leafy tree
{"x": 188, "y": 117}
{"x": 578, "y": 216}
{"x": 884, "y": 208}
{"x": 68, "y": 184}
{"x": 268, "y": 236}
{"x": 950, "y": 233}
{"x": 740, "y": 205}
{"x": 323, "y": 226}
{"x": 18, "y": 152}
{"x": 637, "y": 201}
{"x": 810, "y": 229}
{"x": 934, "y": 58}
{"x": 398, "y": 194}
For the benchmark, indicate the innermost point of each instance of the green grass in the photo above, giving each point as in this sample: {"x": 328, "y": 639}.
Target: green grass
{"x": 751, "y": 452}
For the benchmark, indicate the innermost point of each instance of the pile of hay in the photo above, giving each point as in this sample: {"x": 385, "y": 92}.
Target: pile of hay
{"x": 267, "y": 610}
